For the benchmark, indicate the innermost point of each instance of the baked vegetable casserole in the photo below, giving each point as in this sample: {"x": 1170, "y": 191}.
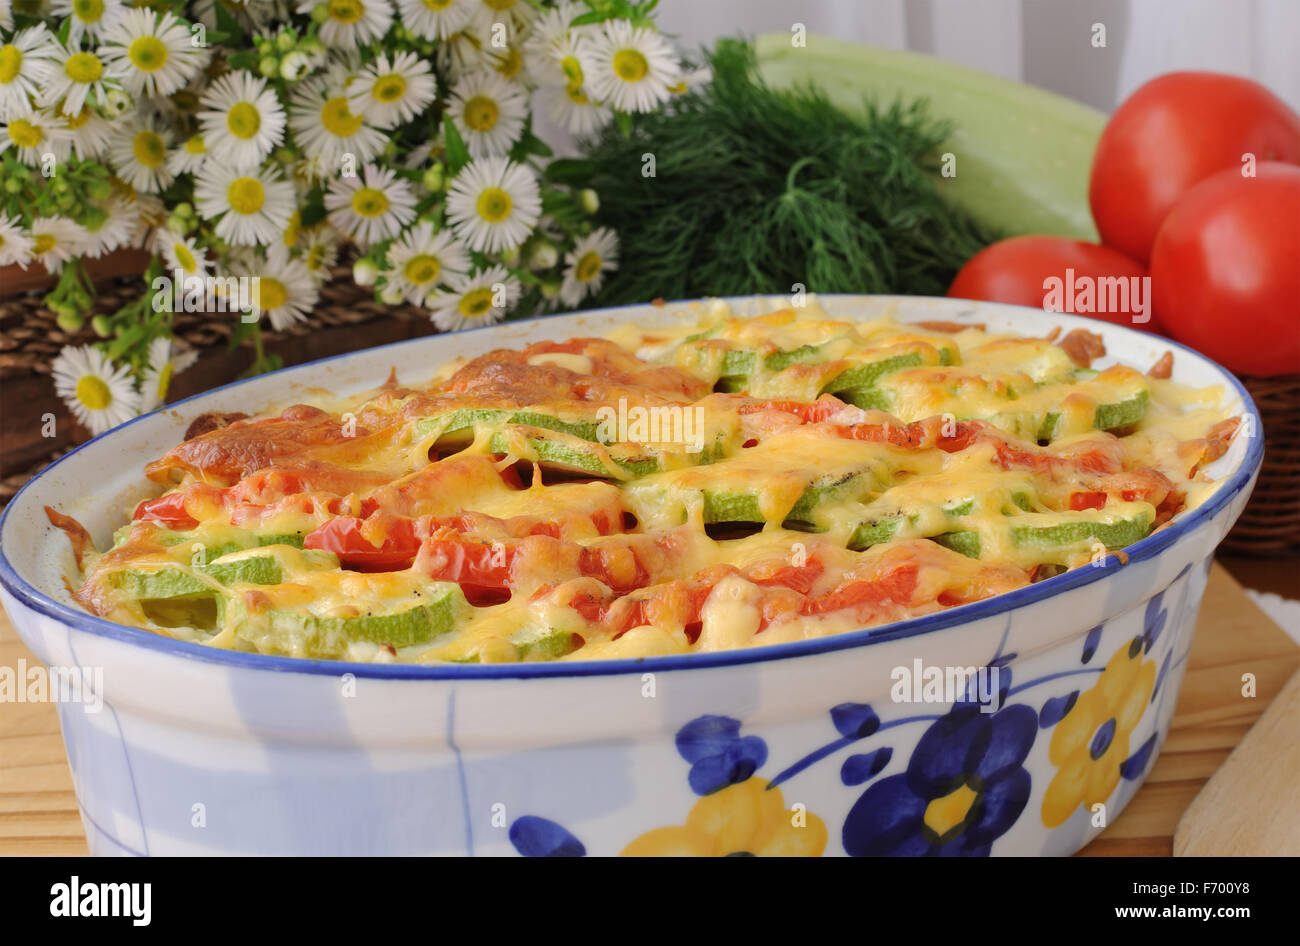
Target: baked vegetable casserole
{"x": 725, "y": 484}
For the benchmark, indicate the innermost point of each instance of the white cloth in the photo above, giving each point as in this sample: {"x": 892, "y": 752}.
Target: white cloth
{"x": 1044, "y": 42}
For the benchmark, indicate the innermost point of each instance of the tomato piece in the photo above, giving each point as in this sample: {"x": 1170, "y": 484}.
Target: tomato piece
{"x": 346, "y": 537}
{"x": 1021, "y": 270}
{"x": 478, "y": 565}
{"x": 1088, "y": 499}
{"x": 809, "y": 412}
{"x": 895, "y": 586}
{"x": 1224, "y": 271}
{"x": 169, "y": 510}
{"x": 1172, "y": 133}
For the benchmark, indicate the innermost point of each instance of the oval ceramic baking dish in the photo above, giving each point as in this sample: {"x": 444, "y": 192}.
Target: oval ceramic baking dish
{"x": 1064, "y": 689}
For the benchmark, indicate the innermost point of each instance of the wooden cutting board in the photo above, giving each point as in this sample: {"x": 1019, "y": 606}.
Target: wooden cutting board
{"x": 38, "y": 810}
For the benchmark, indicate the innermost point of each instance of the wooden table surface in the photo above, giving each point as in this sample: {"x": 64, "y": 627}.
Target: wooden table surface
{"x": 38, "y": 810}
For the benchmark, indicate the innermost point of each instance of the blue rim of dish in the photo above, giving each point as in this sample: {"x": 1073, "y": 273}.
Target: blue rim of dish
{"x": 1145, "y": 549}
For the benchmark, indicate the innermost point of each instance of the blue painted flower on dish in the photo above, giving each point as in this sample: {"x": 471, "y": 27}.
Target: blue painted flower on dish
{"x": 538, "y": 837}
{"x": 718, "y": 754}
{"x": 965, "y": 786}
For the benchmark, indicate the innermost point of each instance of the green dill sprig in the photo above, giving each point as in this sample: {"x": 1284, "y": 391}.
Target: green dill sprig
{"x": 756, "y": 190}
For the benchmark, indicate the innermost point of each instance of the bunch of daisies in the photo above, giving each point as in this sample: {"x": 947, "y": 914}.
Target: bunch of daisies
{"x": 267, "y": 138}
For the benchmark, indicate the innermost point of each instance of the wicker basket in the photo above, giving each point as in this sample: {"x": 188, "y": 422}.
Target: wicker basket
{"x": 346, "y": 318}
{"x": 1270, "y": 526}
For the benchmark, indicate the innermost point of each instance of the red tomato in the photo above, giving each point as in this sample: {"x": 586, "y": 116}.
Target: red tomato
{"x": 169, "y": 510}
{"x": 343, "y": 536}
{"x": 1021, "y": 270}
{"x": 1225, "y": 272}
{"x": 1174, "y": 131}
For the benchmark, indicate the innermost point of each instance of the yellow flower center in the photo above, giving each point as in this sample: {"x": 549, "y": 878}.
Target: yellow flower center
{"x": 24, "y": 134}
{"x": 572, "y": 70}
{"x": 315, "y": 257}
{"x": 11, "y": 60}
{"x": 494, "y": 205}
{"x": 94, "y": 393}
{"x": 499, "y": 5}
{"x": 944, "y": 814}
{"x": 149, "y": 149}
{"x": 164, "y": 381}
{"x": 338, "y": 121}
{"x": 576, "y": 95}
{"x": 148, "y": 53}
{"x": 42, "y": 243}
{"x": 77, "y": 120}
{"x": 271, "y": 293}
{"x": 83, "y": 67}
{"x": 588, "y": 267}
{"x": 194, "y": 145}
{"x": 475, "y": 303}
{"x": 630, "y": 65}
{"x": 369, "y": 202}
{"x": 88, "y": 11}
{"x": 388, "y": 88}
{"x": 510, "y": 63}
{"x": 481, "y": 113}
{"x": 246, "y": 195}
{"x": 294, "y": 230}
{"x": 346, "y": 11}
{"x": 437, "y": 6}
{"x": 422, "y": 270}
{"x": 243, "y": 120}
{"x": 184, "y": 257}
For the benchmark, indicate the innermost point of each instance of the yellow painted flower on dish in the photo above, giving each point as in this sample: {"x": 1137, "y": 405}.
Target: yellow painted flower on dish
{"x": 745, "y": 819}
{"x": 1091, "y": 743}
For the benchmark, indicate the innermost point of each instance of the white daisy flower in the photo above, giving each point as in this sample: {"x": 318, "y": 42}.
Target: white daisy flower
{"x": 189, "y": 157}
{"x": 493, "y": 204}
{"x": 55, "y": 240}
{"x": 15, "y": 245}
{"x": 285, "y": 291}
{"x": 573, "y": 110}
{"x": 151, "y": 54}
{"x": 90, "y": 133}
{"x": 113, "y": 226}
{"x": 489, "y": 112}
{"x": 436, "y": 19}
{"x": 253, "y": 206}
{"x": 320, "y": 251}
{"x": 351, "y": 23}
{"x": 586, "y": 265}
{"x": 326, "y": 129}
{"x": 515, "y": 15}
{"x": 99, "y": 393}
{"x": 629, "y": 68}
{"x": 181, "y": 252}
{"x": 76, "y": 76}
{"x": 475, "y": 300}
{"x": 552, "y": 40}
{"x": 165, "y": 362}
{"x": 26, "y": 62}
{"x": 88, "y": 17}
{"x": 242, "y": 121}
{"x": 390, "y": 94}
{"x": 138, "y": 152}
{"x": 372, "y": 207}
{"x": 35, "y": 136}
{"x": 462, "y": 54}
{"x": 6, "y": 15}
{"x": 145, "y": 212}
{"x": 421, "y": 259}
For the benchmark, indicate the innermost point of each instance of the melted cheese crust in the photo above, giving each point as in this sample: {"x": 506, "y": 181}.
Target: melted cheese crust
{"x": 660, "y": 491}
